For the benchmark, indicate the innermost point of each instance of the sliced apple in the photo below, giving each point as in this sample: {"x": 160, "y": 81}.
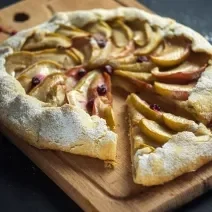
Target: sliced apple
{"x": 174, "y": 91}
{"x": 44, "y": 67}
{"x": 139, "y": 35}
{"x": 121, "y": 33}
{"x": 71, "y": 31}
{"x": 104, "y": 111}
{"x": 178, "y": 123}
{"x": 18, "y": 61}
{"x": 135, "y": 67}
{"x": 175, "y": 52}
{"x": 93, "y": 54}
{"x": 125, "y": 60}
{"x": 39, "y": 41}
{"x": 78, "y": 96}
{"x": 130, "y": 86}
{"x": 51, "y": 90}
{"x": 99, "y": 27}
{"x": 155, "y": 131}
{"x": 66, "y": 58}
{"x": 40, "y": 69}
{"x": 147, "y": 77}
{"x": 187, "y": 71}
{"x": 159, "y": 49}
{"x": 144, "y": 108}
{"x": 99, "y": 55}
{"x": 134, "y": 115}
{"x": 120, "y": 52}
{"x": 154, "y": 39}
{"x": 78, "y": 54}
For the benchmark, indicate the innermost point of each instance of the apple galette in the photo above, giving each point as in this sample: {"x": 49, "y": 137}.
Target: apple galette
{"x": 56, "y": 83}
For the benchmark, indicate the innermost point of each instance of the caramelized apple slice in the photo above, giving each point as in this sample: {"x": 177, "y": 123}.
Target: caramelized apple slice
{"x": 174, "y": 91}
{"x": 78, "y": 54}
{"x": 18, "y": 61}
{"x": 159, "y": 49}
{"x": 66, "y": 58}
{"x": 121, "y": 33}
{"x": 119, "y": 52}
{"x": 187, "y": 71}
{"x": 131, "y": 86}
{"x": 99, "y": 27}
{"x": 139, "y": 35}
{"x": 93, "y": 55}
{"x": 104, "y": 111}
{"x": 144, "y": 108}
{"x": 44, "y": 67}
{"x": 38, "y": 70}
{"x": 154, "y": 39}
{"x": 147, "y": 77}
{"x": 51, "y": 90}
{"x": 180, "y": 124}
{"x": 175, "y": 52}
{"x": 99, "y": 55}
{"x": 78, "y": 96}
{"x": 155, "y": 131}
{"x": 124, "y": 60}
{"x": 71, "y": 31}
{"x": 40, "y": 41}
{"x": 135, "y": 67}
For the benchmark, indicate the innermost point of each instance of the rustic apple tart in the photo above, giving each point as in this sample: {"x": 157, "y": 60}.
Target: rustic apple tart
{"x": 56, "y": 83}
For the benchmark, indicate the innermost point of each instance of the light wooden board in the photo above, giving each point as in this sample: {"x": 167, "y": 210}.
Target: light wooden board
{"x": 85, "y": 180}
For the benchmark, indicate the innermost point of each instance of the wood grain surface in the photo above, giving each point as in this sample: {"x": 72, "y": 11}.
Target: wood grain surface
{"x": 85, "y": 180}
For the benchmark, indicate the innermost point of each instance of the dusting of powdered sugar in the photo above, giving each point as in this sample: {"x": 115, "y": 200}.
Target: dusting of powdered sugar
{"x": 184, "y": 152}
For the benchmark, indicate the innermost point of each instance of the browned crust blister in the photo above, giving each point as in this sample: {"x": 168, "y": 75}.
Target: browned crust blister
{"x": 70, "y": 129}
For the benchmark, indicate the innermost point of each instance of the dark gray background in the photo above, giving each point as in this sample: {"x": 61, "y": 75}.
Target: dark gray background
{"x": 23, "y": 187}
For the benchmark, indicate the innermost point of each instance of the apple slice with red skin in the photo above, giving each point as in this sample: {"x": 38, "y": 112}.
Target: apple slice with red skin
{"x": 175, "y": 52}
{"x": 130, "y": 85}
{"x": 141, "y": 76}
{"x": 184, "y": 73}
{"x": 174, "y": 91}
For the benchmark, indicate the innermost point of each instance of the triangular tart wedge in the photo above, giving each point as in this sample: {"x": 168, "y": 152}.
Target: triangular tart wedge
{"x": 157, "y": 145}
{"x": 58, "y": 81}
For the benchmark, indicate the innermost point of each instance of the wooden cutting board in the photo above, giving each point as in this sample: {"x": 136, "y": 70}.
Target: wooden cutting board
{"x": 85, "y": 180}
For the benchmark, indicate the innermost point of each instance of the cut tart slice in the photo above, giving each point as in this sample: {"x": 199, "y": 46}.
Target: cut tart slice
{"x": 56, "y": 84}
{"x": 149, "y": 127}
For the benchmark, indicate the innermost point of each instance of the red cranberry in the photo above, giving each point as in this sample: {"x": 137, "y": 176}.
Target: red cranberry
{"x": 13, "y": 33}
{"x": 90, "y": 104}
{"x": 155, "y": 107}
{"x": 81, "y": 73}
{"x": 108, "y": 69}
{"x": 102, "y": 90}
{"x": 141, "y": 59}
{"x": 101, "y": 43}
{"x": 209, "y": 125}
{"x": 35, "y": 81}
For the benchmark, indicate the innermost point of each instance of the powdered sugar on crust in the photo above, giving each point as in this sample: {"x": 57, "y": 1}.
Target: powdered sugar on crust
{"x": 183, "y": 153}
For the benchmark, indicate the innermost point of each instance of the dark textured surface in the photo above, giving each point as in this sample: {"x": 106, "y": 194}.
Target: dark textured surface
{"x": 23, "y": 187}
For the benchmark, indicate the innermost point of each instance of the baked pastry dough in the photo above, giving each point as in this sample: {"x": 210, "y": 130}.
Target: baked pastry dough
{"x": 55, "y": 88}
